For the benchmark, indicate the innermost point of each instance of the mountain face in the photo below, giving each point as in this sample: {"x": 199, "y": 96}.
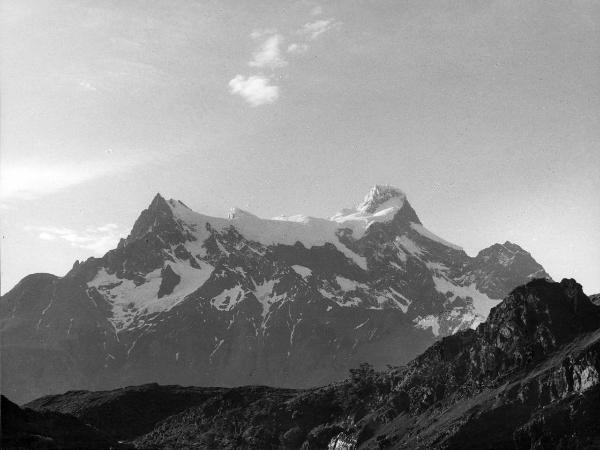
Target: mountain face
{"x": 526, "y": 379}
{"x": 291, "y": 301}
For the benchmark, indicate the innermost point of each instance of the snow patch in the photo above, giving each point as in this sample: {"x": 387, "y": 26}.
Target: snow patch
{"x": 361, "y": 325}
{"x": 432, "y": 237}
{"x": 437, "y": 267}
{"x": 428, "y": 322}
{"x": 304, "y": 272}
{"x": 49, "y": 305}
{"x": 393, "y": 299}
{"x": 216, "y": 349}
{"x": 293, "y": 330}
{"x": 481, "y": 302}
{"x": 309, "y": 231}
{"x": 351, "y": 302}
{"x": 405, "y": 243}
{"x": 130, "y": 301}
{"x": 264, "y": 294}
{"x": 404, "y": 303}
{"x": 227, "y": 299}
{"x": 397, "y": 266}
{"x": 349, "y": 285}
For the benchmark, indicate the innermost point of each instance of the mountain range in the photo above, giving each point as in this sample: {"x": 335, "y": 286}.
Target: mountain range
{"x": 291, "y": 301}
{"x": 526, "y": 379}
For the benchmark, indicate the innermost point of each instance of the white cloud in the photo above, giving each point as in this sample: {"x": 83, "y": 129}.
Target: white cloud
{"x": 97, "y": 239}
{"x": 26, "y": 180}
{"x": 104, "y": 228}
{"x": 315, "y": 29}
{"x": 297, "y": 49}
{"x": 255, "y": 89}
{"x": 269, "y": 54}
{"x": 260, "y": 32}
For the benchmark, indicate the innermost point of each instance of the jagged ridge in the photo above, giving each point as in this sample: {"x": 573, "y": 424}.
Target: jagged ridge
{"x": 467, "y": 391}
{"x": 187, "y": 298}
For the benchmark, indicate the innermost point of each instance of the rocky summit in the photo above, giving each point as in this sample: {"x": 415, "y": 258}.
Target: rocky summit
{"x": 526, "y": 379}
{"x": 292, "y": 301}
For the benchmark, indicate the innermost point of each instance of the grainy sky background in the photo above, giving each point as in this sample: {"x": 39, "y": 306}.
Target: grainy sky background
{"x": 487, "y": 113}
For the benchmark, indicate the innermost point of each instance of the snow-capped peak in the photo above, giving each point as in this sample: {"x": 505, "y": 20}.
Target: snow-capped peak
{"x": 380, "y": 205}
{"x": 380, "y": 195}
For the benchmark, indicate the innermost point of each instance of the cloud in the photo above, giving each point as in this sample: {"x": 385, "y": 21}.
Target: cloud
{"x": 31, "y": 179}
{"x": 315, "y": 29}
{"x": 260, "y": 32}
{"x": 255, "y": 89}
{"x": 297, "y": 49}
{"x": 97, "y": 239}
{"x": 269, "y": 54}
{"x": 26, "y": 181}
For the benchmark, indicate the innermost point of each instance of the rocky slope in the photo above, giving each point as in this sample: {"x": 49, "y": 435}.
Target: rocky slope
{"x": 292, "y": 301}
{"x": 487, "y": 388}
{"x": 528, "y": 378}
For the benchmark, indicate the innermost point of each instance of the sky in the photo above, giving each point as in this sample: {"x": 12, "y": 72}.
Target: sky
{"x": 486, "y": 113}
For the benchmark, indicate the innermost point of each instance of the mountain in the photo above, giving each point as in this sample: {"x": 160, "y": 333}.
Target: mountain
{"x": 527, "y": 378}
{"x": 291, "y": 301}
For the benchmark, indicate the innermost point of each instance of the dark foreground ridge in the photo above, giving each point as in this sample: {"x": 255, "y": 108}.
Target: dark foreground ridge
{"x": 528, "y": 378}
{"x": 26, "y": 428}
